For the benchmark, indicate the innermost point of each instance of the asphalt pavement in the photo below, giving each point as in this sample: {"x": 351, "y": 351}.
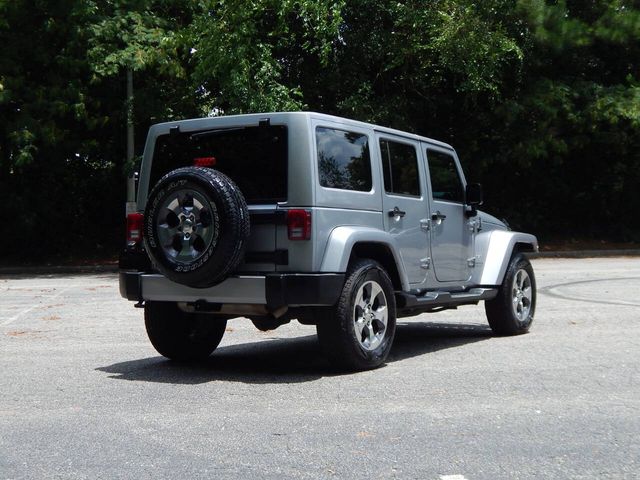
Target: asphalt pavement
{"x": 84, "y": 395}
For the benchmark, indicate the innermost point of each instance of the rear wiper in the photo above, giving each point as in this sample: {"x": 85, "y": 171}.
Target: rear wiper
{"x": 217, "y": 131}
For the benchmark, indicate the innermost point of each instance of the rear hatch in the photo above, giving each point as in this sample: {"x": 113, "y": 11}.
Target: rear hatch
{"x": 255, "y": 158}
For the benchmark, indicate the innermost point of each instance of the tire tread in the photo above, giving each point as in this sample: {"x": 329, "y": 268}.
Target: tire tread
{"x": 334, "y": 324}
{"x": 499, "y": 310}
{"x": 234, "y": 218}
{"x": 171, "y": 332}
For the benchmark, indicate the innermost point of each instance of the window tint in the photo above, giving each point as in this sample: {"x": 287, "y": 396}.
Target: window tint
{"x": 445, "y": 180}
{"x": 254, "y": 157}
{"x": 400, "y": 168}
{"x": 343, "y": 159}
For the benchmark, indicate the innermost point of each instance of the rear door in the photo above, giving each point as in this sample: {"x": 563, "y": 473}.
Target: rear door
{"x": 451, "y": 234}
{"x": 404, "y": 202}
{"x": 256, "y": 159}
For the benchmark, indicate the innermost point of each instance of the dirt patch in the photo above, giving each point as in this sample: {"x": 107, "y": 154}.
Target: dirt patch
{"x": 93, "y": 289}
{"x": 23, "y": 333}
{"x": 48, "y": 307}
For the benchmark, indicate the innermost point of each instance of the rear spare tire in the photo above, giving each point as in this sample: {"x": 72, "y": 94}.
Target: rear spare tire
{"x": 195, "y": 226}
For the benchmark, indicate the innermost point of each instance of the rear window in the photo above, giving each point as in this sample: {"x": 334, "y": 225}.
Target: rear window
{"x": 343, "y": 159}
{"x": 255, "y": 158}
{"x": 400, "y": 168}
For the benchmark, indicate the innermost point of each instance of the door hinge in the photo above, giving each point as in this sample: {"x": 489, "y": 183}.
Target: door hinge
{"x": 471, "y": 262}
{"x": 475, "y": 225}
{"x": 425, "y": 224}
{"x": 425, "y": 263}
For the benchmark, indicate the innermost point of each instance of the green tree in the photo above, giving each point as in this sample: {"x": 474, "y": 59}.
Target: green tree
{"x": 540, "y": 98}
{"x": 571, "y": 132}
{"x": 250, "y": 56}
{"x": 47, "y": 161}
{"x": 63, "y": 116}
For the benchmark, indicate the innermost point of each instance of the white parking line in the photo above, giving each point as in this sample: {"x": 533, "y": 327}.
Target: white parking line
{"x": 453, "y": 477}
{"x": 32, "y": 307}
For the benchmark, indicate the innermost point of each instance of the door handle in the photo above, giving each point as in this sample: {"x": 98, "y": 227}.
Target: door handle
{"x": 438, "y": 217}
{"x": 396, "y": 212}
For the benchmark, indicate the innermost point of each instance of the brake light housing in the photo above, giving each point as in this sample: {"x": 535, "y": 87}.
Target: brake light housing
{"x": 134, "y": 228}
{"x": 299, "y": 224}
{"x": 205, "y": 162}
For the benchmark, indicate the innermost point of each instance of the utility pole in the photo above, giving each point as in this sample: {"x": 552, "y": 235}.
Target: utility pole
{"x": 131, "y": 180}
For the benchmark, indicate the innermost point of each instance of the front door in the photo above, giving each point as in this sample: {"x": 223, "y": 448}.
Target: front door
{"x": 404, "y": 203}
{"x": 451, "y": 234}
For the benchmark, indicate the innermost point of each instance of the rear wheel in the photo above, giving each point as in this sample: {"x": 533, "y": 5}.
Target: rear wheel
{"x": 358, "y": 332}
{"x": 180, "y": 335}
{"x": 511, "y": 312}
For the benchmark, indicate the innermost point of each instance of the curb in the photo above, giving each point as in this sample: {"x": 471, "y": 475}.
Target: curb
{"x": 586, "y": 254}
{"x": 113, "y": 267}
{"x": 59, "y": 269}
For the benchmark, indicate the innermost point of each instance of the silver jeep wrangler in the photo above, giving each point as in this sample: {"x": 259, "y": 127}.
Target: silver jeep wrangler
{"x": 332, "y": 222}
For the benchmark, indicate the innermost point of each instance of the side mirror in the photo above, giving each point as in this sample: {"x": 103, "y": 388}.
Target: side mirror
{"x": 473, "y": 194}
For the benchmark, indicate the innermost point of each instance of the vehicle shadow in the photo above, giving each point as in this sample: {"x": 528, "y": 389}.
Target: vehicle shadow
{"x": 289, "y": 360}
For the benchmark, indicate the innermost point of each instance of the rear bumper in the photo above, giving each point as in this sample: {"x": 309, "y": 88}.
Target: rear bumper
{"x": 272, "y": 290}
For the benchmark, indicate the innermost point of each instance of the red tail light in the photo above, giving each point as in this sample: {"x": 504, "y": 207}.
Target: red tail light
{"x": 134, "y": 227}
{"x": 299, "y": 224}
{"x": 204, "y": 162}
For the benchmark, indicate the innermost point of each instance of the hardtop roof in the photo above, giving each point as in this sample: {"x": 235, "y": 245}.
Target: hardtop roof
{"x": 231, "y": 120}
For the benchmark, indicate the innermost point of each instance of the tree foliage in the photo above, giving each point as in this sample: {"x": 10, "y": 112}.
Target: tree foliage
{"x": 249, "y": 55}
{"x": 540, "y": 98}
{"x": 573, "y": 127}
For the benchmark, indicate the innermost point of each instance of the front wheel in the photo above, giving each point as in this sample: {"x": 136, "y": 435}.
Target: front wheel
{"x": 358, "y": 332}
{"x": 180, "y": 335}
{"x": 511, "y": 311}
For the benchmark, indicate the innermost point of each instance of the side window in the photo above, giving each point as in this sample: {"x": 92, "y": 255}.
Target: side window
{"x": 445, "y": 179}
{"x": 343, "y": 159}
{"x": 400, "y": 168}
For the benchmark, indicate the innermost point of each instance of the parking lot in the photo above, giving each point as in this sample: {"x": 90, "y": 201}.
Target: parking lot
{"x": 84, "y": 395}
